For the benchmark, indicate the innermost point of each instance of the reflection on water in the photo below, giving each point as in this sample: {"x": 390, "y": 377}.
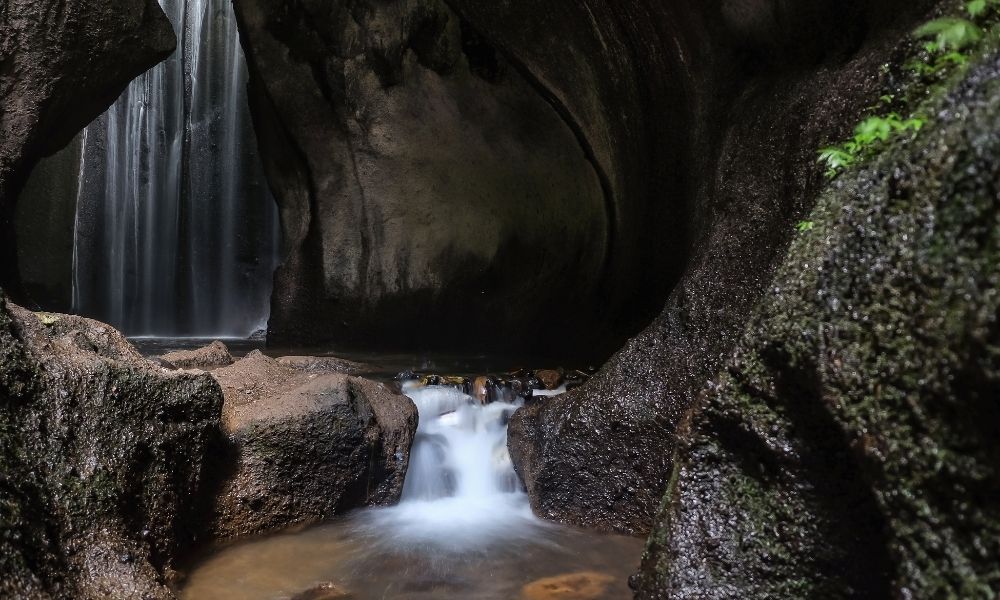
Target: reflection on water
{"x": 463, "y": 530}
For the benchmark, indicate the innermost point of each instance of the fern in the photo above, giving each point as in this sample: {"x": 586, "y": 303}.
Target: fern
{"x": 950, "y": 33}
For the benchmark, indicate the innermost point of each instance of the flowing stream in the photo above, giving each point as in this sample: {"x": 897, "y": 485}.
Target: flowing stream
{"x": 463, "y": 530}
{"x": 176, "y": 231}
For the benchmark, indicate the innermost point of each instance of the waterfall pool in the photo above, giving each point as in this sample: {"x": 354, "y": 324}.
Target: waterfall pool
{"x": 462, "y": 530}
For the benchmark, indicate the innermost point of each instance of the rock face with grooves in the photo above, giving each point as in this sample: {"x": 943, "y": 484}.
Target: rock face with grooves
{"x": 850, "y": 448}
{"x": 61, "y": 64}
{"x": 304, "y": 445}
{"x": 101, "y": 461}
{"x": 426, "y": 188}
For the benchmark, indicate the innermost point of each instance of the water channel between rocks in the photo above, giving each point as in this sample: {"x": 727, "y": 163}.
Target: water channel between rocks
{"x": 463, "y": 530}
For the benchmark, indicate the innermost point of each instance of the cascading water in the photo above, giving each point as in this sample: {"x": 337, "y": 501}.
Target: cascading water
{"x": 461, "y": 490}
{"x": 176, "y": 232}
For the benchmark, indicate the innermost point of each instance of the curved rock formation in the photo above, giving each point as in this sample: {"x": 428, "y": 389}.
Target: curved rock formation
{"x": 429, "y": 184}
{"x": 101, "y": 460}
{"x": 850, "y": 449}
{"x": 769, "y": 83}
{"x": 62, "y": 63}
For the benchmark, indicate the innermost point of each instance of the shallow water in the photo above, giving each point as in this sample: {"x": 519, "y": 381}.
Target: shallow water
{"x": 372, "y": 566}
{"x": 463, "y": 530}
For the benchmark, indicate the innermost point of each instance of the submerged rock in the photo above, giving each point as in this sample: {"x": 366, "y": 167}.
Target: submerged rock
{"x": 102, "y": 461}
{"x": 206, "y": 358}
{"x": 586, "y": 585}
{"x": 326, "y": 591}
{"x": 304, "y": 445}
{"x": 851, "y": 448}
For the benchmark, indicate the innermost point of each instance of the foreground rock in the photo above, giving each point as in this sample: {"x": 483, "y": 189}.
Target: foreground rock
{"x": 304, "y": 446}
{"x": 601, "y": 456}
{"x": 210, "y": 357}
{"x": 101, "y": 461}
{"x": 852, "y": 446}
{"x": 63, "y": 64}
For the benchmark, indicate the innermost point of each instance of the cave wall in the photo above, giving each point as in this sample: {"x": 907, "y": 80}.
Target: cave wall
{"x": 61, "y": 64}
{"x": 45, "y": 221}
{"x": 769, "y": 83}
{"x": 434, "y": 193}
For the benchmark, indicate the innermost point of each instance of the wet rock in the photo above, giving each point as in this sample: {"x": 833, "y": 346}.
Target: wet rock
{"x": 851, "y": 448}
{"x": 102, "y": 461}
{"x": 305, "y": 445}
{"x": 550, "y": 378}
{"x": 326, "y": 591}
{"x": 601, "y": 454}
{"x": 585, "y": 585}
{"x": 206, "y": 358}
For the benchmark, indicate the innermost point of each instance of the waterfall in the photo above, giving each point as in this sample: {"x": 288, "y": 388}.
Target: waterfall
{"x": 461, "y": 491}
{"x": 176, "y": 231}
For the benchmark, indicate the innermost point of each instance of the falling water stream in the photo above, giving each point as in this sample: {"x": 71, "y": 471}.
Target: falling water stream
{"x": 176, "y": 231}
{"x": 463, "y": 530}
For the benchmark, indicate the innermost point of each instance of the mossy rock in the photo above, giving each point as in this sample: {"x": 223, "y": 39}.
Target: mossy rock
{"x": 852, "y": 447}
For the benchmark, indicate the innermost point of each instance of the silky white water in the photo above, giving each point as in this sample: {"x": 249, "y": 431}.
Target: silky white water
{"x": 461, "y": 491}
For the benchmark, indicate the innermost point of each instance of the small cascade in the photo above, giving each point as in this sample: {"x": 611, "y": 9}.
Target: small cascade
{"x": 176, "y": 231}
{"x": 461, "y": 491}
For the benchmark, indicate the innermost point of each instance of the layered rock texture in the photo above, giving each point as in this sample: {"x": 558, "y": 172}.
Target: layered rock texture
{"x": 62, "y": 63}
{"x": 850, "y": 448}
{"x": 102, "y": 459}
{"x": 768, "y": 83}
{"x": 305, "y": 442}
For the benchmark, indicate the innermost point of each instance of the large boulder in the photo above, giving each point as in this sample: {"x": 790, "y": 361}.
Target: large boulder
{"x": 768, "y": 83}
{"x": 101, "y": 461}
{"x": 62, "y": 63}
{"x": 851, "y": 448}
{"x": 305, "y": 445}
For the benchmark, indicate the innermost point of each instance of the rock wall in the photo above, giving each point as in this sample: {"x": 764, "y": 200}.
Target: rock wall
{"x": 61, "y": 64}
{"x": 767, "y": 84}
{"x": 101, "y": 461}
{"x": 429, "y": 186}
{"x": 850, "y": 447}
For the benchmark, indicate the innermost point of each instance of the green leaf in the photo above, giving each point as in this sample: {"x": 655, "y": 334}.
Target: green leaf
{"x": 835, "y": 158}
{"x": 976, "y": 7}
{"x": 804, "y": 226}
{"x": 950, "y": 32}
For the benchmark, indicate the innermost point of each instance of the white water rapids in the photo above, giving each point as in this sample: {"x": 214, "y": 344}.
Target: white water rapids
{"x": 461, "y": 492}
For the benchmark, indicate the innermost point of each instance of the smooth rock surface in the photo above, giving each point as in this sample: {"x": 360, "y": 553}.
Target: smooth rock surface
{"x": 427, "y": 188}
